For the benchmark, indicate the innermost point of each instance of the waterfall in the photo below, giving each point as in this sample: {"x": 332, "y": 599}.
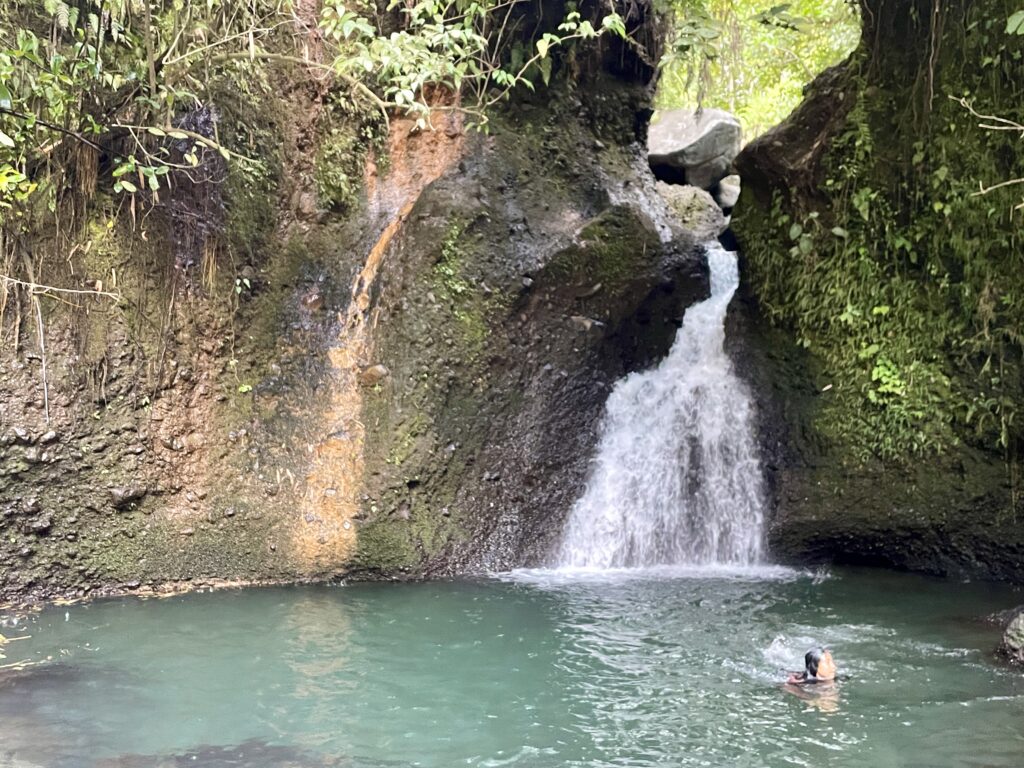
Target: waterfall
{"x": 677, "y": 478}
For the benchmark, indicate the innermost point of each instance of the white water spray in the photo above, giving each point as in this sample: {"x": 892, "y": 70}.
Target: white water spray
{"x": 677, "y": 478}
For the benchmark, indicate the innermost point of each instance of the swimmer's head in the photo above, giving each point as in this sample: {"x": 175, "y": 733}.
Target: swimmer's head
{"x": 819, "y": 665}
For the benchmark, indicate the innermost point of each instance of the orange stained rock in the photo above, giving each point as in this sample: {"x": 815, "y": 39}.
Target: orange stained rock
{"x": 324, "y": 536}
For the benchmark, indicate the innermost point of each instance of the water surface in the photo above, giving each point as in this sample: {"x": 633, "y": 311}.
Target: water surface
{"x": 537, "y": 669}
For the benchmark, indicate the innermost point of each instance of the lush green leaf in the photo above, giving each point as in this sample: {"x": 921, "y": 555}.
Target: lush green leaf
{"x": 1015, "y": 24}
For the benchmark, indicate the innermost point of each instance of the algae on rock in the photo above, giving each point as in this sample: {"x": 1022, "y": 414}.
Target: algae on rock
{"x": 867, "y": 245}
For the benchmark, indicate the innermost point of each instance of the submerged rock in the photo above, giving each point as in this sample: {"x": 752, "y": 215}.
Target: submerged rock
{"x": 695, "y": 148}
{"x": 254, "y": 752}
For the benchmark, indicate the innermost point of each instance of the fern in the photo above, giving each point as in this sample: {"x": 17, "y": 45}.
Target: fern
{"x": 63, "y": 15}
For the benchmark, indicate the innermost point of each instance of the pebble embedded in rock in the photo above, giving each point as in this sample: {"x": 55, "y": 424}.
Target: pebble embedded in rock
{"x": 585, "y": 323}
{"x": 172, "y": 444}
{"x": 373, "y": 375}
{"x": 42, "y": 525}
{"x": 313, "y": 300}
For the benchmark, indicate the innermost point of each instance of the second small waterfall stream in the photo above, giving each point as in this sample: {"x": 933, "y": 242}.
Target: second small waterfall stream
{"x": 677, "y": 477}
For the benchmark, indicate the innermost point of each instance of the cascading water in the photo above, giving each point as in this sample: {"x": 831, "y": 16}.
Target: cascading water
{"x": 677, "y": 477}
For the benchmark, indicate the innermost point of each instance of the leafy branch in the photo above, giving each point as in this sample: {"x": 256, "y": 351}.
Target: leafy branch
{"x": 458, "y": 46}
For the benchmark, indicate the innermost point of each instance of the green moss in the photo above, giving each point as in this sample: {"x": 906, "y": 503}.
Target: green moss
{"x": 609, "y": 251}
{"x": 119, "y": 556}
{"x": 386, "y": 546}
{"x": 250, "y": 212}
{"x": 898, "y": 277}
{"x": 406, "y": 438}
{"x": 448, "y": 269}
{"x": 148, "y": 547}
{"x": 349, "y": 135}
{"x": 463, "y": 300}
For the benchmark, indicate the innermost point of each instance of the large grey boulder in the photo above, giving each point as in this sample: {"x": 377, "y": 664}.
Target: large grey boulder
{"x": 695, "y": 148}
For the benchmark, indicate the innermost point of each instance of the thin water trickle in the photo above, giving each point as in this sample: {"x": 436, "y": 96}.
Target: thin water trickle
{"x": 677, "y": 477}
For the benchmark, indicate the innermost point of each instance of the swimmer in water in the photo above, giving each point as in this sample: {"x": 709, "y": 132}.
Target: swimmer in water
{"x": 819, "y": 667}
{"x": 816, "y": 685}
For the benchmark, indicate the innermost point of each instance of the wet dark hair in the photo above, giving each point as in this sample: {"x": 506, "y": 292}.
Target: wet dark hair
{"x": 811, "y": 660}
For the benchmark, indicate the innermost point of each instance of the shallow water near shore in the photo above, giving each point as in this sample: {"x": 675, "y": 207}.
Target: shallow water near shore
{"x": 661, "y": 667}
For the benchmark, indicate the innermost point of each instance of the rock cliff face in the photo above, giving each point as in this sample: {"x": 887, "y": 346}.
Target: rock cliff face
{"x": 519, "y": 289}
{"x": 390, "y": 361}
{"x": 880, "y": 299}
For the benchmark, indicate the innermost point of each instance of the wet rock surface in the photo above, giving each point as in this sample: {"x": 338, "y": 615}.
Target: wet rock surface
{"x": 522, "y": 287}
{"x": 695, "y": 209}
{"x": 165, "y": 418}
{"x": 1012, "y": 645}
{"x": 254, "y": 753}
{"x": 172, "y": 447}
{"x": 945, "y": 516}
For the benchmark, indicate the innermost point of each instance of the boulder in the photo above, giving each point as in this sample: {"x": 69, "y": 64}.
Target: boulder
{"x": 1012, "y": 645}
{"x": 695, "y": 148}
{"x": 728, "y": 192}
{"x": 695, "y": 209}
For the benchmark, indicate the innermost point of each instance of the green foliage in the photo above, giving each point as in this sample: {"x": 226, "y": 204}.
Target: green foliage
{"x": 737, "y": 55}
{"x": 111, "y": 78}
{"x": 904, "y": 281}
{"x": 348, "y": 134}
{"x": 466, "y": 48}
{"x": 115, "y": 77}
{"x": 338, "y": 178}
{"x": 1015, "y": 24}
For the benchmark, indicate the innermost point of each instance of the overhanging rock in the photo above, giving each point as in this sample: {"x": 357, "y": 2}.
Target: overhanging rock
{"x": 695, "y": 148}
